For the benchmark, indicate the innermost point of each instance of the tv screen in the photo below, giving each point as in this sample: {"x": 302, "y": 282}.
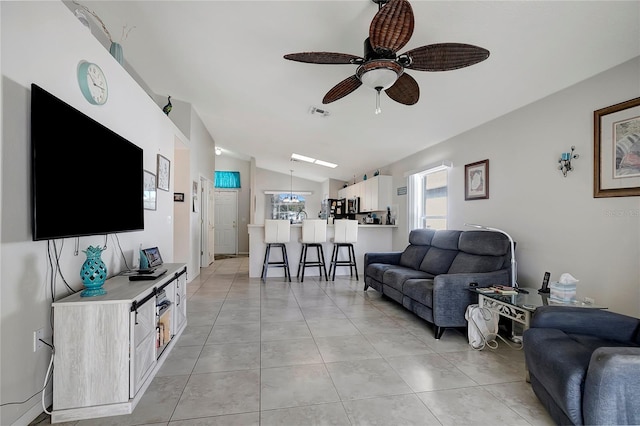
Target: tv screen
{"x": 86, "y": 179}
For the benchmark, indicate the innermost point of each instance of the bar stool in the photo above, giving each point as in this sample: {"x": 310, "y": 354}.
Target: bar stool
{"x": 346, "y": 234}
{"x": 314, "y": 233}
{"x": 276, "y": 234}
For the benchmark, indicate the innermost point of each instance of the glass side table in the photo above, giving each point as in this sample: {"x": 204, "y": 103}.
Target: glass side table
{"x": 519, "y": 307}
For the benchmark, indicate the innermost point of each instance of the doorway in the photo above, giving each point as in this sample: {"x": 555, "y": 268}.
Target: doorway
{"x": 206, "y": 221}
{"x": 225, "y": 222}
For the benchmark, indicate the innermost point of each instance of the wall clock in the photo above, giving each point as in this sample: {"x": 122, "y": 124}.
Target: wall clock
{"x": 93, "y": 83}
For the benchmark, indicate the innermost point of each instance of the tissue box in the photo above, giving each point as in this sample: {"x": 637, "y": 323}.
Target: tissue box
{"x": 560, "y": 292}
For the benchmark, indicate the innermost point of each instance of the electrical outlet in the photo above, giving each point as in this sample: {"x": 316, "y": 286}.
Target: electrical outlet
{"x": 37, "y": 335}
{"x": 590, "y": 300}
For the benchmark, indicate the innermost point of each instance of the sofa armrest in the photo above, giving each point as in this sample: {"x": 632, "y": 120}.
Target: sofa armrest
{"x": 451, "y": 294}
{"x": 611, "y": 387}
{"x": 592, "y": 322}
{"x": 390, "y": 258}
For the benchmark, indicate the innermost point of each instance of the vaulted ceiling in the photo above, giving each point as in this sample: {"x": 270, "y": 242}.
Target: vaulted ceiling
{"x": 226, "y": 59}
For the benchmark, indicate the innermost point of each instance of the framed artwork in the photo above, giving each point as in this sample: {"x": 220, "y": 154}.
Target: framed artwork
{"x": 194, "y": 197}
{"x": 616, "y": 150}
{"x": 149, "y": 191}
{"x": 476, "y": 180}
{"x": 164, "y": 173}
{"x": 178, "y": 196}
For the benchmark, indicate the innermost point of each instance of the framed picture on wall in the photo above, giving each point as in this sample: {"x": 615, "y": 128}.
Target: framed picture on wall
{"x": 616, "y": 150}
{"x": 194, "y": 197}
{"x": 164, "y": 172}
{"x": 476, "y": 180}
{"x": 149, "y": 191}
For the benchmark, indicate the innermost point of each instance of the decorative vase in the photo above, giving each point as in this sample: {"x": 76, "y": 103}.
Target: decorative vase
{"x": 116, "y": 52}
{"x": 93, "y": 272}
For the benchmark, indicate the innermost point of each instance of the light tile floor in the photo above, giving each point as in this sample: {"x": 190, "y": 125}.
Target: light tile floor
{"x": 317, "y": 353}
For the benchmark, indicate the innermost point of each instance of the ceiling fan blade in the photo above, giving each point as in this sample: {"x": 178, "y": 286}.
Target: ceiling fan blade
{"x": 392, "y": 27}
{"x": 342, "y": 89}
{"x": 445, "y": 56}
{"x": 322, "y": 57}
{"x": 405, "y": 90}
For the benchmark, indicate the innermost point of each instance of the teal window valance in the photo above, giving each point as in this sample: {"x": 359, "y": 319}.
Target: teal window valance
{"x": 227, "y": 179}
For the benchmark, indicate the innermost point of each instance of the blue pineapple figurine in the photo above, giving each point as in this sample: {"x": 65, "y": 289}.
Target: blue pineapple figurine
{"x": 167, "y": 108}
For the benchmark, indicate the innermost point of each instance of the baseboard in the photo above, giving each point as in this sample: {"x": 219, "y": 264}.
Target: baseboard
{"x": 34, "y": 411}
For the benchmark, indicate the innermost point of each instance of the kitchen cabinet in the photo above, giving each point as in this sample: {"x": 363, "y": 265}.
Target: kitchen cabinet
{"x": 376, "y": 194}
{"x": 107, "y": 350}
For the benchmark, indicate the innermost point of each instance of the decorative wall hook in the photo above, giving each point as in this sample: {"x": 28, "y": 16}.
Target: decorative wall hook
{"x": 565, "y": 161}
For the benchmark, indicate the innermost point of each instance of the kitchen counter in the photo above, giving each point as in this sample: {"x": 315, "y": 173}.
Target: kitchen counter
{"x": 371, "y": 238}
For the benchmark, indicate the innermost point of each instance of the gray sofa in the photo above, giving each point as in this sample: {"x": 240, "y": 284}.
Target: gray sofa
{"x": 584, "y": 365}
{"x": 432, "y": 275}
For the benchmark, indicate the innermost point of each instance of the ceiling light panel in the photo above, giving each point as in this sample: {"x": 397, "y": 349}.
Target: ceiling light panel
{"x": 302, "y": 158}
{"x": 326, "y": 164}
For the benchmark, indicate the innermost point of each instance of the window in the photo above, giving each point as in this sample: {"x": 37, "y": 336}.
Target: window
{"x": 227, "y": 179}
{"x": 288, "y": 206}
{"x": 428, "y": 198}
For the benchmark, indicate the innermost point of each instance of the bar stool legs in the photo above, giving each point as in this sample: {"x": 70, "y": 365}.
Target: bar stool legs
{"x": 266, "y": 264}
{"x": 351, "y": 262}
{"x": 303, "y": 263}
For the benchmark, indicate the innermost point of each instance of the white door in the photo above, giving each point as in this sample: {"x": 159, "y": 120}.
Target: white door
{"x": 210, "y": 227}
{"x": 225, "y": 222}
{"x": 206, "y": 222}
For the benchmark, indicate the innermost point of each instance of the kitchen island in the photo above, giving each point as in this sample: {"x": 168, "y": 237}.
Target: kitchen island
{"x": 371, "y": 238}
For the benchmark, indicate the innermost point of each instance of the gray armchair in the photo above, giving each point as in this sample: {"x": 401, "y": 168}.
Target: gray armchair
{"x": 584, "y": 365}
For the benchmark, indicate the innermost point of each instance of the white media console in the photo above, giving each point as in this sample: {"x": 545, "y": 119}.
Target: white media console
{"x": 108, "y": 348}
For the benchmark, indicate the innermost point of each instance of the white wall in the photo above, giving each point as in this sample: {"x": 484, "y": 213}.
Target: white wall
{"x": 182, "y": 210}
{"x": 266, "y": 180}
{"x": 42, "y": 43}
{"x": 202, "y": 164}
{"x": 227, "y": 162}
{"x": 558, "y": 225}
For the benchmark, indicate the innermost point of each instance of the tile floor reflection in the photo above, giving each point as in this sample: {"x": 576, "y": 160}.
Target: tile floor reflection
{"x": 317, "y": 353}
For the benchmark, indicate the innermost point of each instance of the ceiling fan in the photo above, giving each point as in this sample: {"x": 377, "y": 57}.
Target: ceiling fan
{"x": 382, "y": 68}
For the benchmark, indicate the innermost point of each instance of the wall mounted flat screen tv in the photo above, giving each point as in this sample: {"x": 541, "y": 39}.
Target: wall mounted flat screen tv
{"x": 85, "y": 178}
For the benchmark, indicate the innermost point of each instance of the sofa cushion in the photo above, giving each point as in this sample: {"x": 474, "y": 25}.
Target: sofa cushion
{"x": 484, "y": 243}
{"x": 420, "y": 290}
{"x": 438, "y": 261}
{"x": 421, "y": 237}
{"x": 377, "y": 270}
{"x": 465, "y": 263}
{"x": 413, "y": 255}
{"x": 446, "y": 239}
{"x": 395, "y": 277}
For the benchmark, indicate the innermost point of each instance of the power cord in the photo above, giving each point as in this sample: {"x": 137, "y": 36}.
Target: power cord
{"x": 46, "y": 377}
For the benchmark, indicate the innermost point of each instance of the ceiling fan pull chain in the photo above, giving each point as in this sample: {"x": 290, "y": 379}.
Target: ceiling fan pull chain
{"x": 378, "y": 110}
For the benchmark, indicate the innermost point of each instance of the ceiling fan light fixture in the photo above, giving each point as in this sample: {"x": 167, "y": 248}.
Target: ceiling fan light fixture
{"x": 379, "y": 74}
{"x": 382, "y": 78}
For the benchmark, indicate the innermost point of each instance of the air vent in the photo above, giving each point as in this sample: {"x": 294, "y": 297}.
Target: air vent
{"x": 321, "y": 112}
